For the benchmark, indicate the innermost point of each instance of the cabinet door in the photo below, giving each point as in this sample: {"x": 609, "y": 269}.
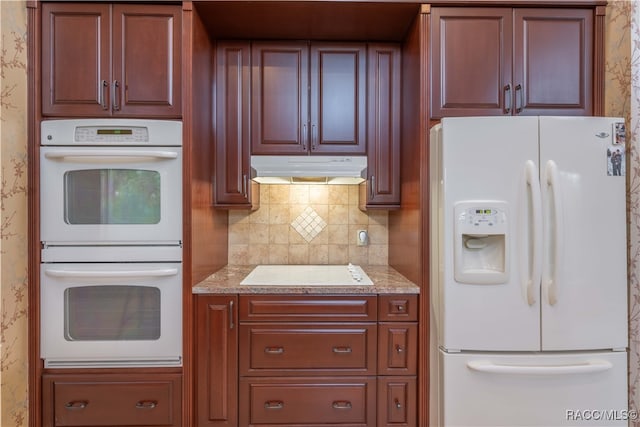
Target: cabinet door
{"x": 383, "y": 181}
{"x": 553, "y": 61}
{"x": 232, "y": 184}
{"x": 338, "y": 98}
{"x": 397, "y": 404}
{"x": 75, "y": 59}
{"x": 279, "y": 91}
{"x": 147, "y": 53}
{"x": 471, "y": 61}
{"x": 216, "y": 360}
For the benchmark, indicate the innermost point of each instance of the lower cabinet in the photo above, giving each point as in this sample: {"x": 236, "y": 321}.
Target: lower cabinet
{"x": 129, "y": 399}
{"x": 306, "y": 360}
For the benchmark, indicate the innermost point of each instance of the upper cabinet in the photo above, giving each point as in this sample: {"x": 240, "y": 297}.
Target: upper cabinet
{"x": 511, "y": 61}
{"x": 101, "y": 60}
{"x": 308, "y": 98}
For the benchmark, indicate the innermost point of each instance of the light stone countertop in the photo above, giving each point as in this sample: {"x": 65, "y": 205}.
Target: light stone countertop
{"x": 386, "y": 280}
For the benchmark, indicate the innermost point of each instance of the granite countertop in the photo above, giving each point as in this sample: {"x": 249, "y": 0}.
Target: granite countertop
{"x": 386, "y": 280}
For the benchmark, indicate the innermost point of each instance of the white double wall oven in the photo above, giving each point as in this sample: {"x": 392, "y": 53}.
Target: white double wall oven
{"x": 111, "y": 239}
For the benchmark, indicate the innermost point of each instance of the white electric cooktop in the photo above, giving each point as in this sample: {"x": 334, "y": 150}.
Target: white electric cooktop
{"x": 307, "y": 275}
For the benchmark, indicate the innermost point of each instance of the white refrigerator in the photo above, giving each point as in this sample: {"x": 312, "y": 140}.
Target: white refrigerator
{"x": 528, "y": 272}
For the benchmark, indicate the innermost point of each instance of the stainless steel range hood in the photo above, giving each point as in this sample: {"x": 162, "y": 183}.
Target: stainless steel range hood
{"x": 309, "y": 169}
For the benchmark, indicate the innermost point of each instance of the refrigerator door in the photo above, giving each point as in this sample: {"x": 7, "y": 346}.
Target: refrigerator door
{"x": 577, "y": 389}
{"x": 584, "y": 284}
{"x": 484, "y": 185}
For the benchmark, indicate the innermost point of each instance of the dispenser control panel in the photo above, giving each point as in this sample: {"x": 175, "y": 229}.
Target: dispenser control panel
{"x": 484, "y": 219}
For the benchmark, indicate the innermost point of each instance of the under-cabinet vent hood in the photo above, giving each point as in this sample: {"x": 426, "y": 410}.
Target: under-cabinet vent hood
{"x": 309, "y": 169}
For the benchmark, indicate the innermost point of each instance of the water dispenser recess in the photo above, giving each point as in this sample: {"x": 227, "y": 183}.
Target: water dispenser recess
{"x": 481, "y": 242}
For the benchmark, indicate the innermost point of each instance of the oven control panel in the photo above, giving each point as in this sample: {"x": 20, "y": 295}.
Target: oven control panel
{"x": 111, "y": 134}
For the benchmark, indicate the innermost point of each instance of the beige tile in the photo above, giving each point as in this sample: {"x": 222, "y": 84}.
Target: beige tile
{"x": 258, "y": 254}
{"x": 319, "y": 254}
{"x": 338, "y": 194}
{"x": 238, "y": 217}
{"x": 298, "y": 254}
{"x": 299, "y": 194}
{"x": 358, "y": 255}
{"x": 258, "y": 234}
{"x": 378, "y": 255}
{"x": 319, "y": 194}
{"x": 378, "y": 234}
{"x": 354, "y": 195}
{"x": 321, "y": 210}
{"x": 238, "y": 255}
{"x": 321, "y": 239}
{"x": 338, "y": 214}
{"x": 279, "y": 233}
{"x": 278, "y": 194}
{"x": 378, "y": 217}
{"x": 295, "y": 238}
{"x": 239, "y": 233}
{"x": 338, "y": 254}
{"x": 278, "y": 254}
{"x": 279, "y": 214}
{"x": 264, "y": 194}
{"x": 338, "y": 234}
{"x": 356, "y": 216}
{"x": 260, "y": 216}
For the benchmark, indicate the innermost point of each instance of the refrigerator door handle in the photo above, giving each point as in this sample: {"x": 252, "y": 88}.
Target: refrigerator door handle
{"x": 532, "y": 263}
{"x": 589, "y": 366}
{"x": 554, "y": 234}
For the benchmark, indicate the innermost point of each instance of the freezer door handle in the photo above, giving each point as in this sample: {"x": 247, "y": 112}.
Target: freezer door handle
{"x": 590, "y": 366}
{"x": 553, "y": 234}
{"x": 532, "y": 262}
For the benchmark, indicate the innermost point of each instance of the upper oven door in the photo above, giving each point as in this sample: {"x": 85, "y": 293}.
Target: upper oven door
{"x": 110, "y": 195}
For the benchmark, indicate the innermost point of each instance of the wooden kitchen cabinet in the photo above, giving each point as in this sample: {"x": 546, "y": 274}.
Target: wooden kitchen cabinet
{"x": 382, "y": 187}
{"x": 308, "y": 98}
{"x": 93, "y": 399}
{"x": 102, "y": 60}
{"x": 216, "y": 370}
{"x": 511, "y": 61}
{"x": 233, "y": 185}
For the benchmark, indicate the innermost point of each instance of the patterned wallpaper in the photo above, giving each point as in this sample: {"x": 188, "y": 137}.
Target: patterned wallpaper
{"x": 622, "y": 98}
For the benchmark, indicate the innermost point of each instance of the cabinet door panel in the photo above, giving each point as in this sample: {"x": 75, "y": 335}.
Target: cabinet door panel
{"x": 146, "y": 60}
{"x": 75, "y": 59}
{"x": 553, "y": 61}
{"x": 338, "y": 98}
{"x": 279, "y": 98}
{"x": 232, "y": 124}
{"x": 397, "y": 401}
{"x": 471, "y": 61}
{"x": 216, "y": 361}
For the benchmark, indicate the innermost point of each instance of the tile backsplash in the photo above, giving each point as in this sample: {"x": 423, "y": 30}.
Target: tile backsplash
{"x": 307, "y": 224}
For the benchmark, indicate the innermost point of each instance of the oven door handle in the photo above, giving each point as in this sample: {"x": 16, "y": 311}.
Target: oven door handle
{"x": 101, "y": 154}
{"x": 161, "y": 272}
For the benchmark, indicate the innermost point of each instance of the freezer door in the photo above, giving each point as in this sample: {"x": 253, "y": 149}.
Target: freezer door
{"x": 577, "y": 389}
{"x": 483, "y": 279}
{"x": 584, "y": 283}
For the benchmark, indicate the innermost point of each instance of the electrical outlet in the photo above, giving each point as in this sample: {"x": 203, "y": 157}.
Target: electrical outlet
{"x": 362, "y": 238}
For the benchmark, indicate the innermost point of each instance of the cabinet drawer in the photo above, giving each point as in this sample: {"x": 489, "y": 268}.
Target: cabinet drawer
{"x": 302, "y": 348}
{"x": 308, "y": 308}
{"x": 308, "y": 401}
{"x": 398, "y": 348}
{"x": 398, "y": 308}
{"x": 86, "y": 400}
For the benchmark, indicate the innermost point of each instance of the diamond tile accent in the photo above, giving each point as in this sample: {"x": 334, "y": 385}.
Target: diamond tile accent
{"x": 309, "y": 224}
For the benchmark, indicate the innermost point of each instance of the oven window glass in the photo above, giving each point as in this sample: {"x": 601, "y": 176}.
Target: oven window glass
{"x": 112, "y": 313}
{"x": 112, "y": 196}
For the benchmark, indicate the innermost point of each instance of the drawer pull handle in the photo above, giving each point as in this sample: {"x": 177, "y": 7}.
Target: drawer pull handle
{"x": 274, "y": 350}
{"x": 398, "y": 404}
{"x": 399, "y": 348}
{"x": 341, "y": 350}
{"x": 76, "y": 405}
{"x": 400, "y": 307}
{"x": 274, "y": 404}
{"x": 146, "y": 404}
{"x": 342, "y": 404}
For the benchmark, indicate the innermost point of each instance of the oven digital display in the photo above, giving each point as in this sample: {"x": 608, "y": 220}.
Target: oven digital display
{"x": 114, "y": 132}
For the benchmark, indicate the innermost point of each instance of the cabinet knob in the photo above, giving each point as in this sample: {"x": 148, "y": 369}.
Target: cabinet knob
{"x": 146, "y": 404}
{"x": 400, "y": 307}
{"x": 76, "y": 405}
{"x": 519, "y": 96}
{"x": 274, "y": 350}
{"x": 398, "y": 404}
{"x": 399, "y": 348}
{"x": 342, "y": 404}
{"x": 274, "y": 404}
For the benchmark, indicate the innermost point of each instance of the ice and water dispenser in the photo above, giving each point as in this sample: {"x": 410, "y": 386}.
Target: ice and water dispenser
{"x": 481, "y": 242}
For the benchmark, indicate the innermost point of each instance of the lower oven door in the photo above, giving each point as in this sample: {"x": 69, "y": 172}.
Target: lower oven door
{"x": 111, "y": 314}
